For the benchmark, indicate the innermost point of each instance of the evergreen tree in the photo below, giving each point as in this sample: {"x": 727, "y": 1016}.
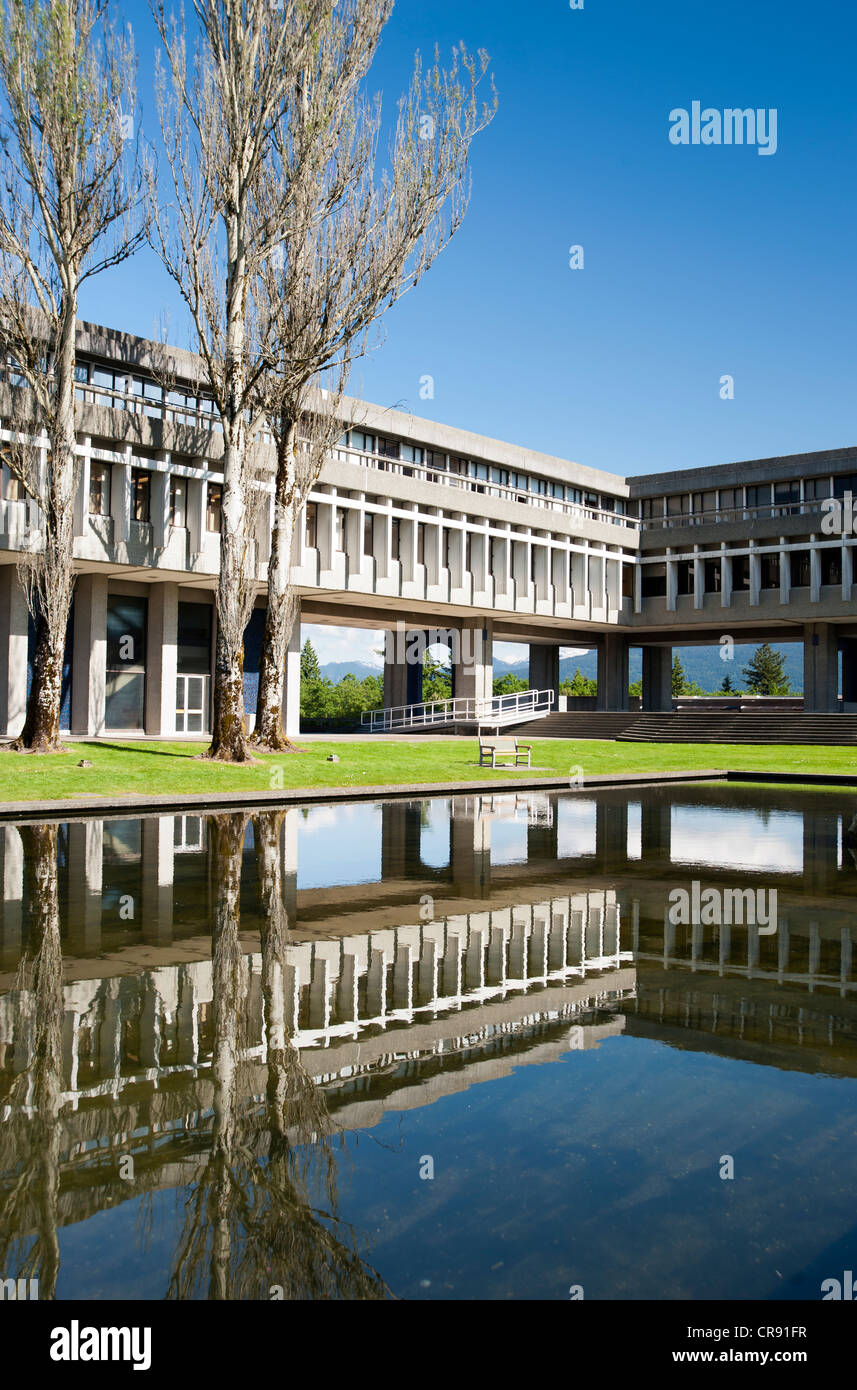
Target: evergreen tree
{"x": 727, "y": 687}
{"x": 765, "y": 675}
{"x": 509, "y": 684}
{"x": 579, "y": 685}
{"x": 310, "y": 668}
{"x": 679, "y": 681}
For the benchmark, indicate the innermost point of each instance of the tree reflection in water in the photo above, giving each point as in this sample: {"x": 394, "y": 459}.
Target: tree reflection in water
{"x": 30, "y": 1135}
{"x": 262, "y": 1215}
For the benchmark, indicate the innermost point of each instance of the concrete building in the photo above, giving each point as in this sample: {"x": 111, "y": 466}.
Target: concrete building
{"x": 417, "y": 525}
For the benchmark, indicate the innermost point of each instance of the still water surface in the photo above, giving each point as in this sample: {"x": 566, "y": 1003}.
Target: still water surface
{"x": 440, "y": 1049}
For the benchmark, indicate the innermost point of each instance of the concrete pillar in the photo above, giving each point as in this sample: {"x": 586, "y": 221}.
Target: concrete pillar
{"x": 403, "y": 669}
{"x": 469, "y": 848}
{"x": 81, "y": 496}
{"x": 611, "y": 835}
{"x": 89, "y": 670}
{"x": 613, "y": 672}
{"x": 542, "y": 842}
{"x": 657, "y": 678}
{"x": 820, "y": 668}
{"x": 395, "y": 670}
{"x": 85, "y": 854}
{"x": 473, "y": 663}
{"x": 158, "y": 871}
{"x": 162, "y": 658}
{"x": 849, "y": 674}
{"x": 401, "y": 829}
{"x": 289, "y": 855}
{"x": 544, "y": 669}
{"x": 13, "y": 653}
{"x": 292, "y": 684}
{"x": 820, "y": 843}
{"x": 12, "y": 854}
{"x": 655, "y": 828}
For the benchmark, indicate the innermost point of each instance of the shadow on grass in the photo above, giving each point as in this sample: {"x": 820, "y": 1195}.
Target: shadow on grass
{"x": 141, "y": 748}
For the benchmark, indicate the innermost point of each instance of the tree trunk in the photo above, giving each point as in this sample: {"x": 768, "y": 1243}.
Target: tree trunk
{"x": 40, "y": 859}
{"x": 234, "y": 584}
{"x": 228, "y": 735}
{"x": 281, "y": 611}
{"x": 41, "y": 731}
{"x": 51, "y": 576}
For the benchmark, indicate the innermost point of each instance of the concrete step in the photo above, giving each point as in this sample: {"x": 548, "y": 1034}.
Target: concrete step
{"x": 694, "y": 727}
{"x": 604, "y": 724}
{"x": 742, "y": 727}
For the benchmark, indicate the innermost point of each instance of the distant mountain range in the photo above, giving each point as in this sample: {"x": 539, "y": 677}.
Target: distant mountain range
{"x": 701, "y": 664}
{"x": 335, "y": 670}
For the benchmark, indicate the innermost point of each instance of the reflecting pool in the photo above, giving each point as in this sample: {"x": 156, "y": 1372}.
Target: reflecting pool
{"x": 456, "y": 1048}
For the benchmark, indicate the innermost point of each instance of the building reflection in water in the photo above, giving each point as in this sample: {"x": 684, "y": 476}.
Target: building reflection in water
{"x": 172, "y": 994}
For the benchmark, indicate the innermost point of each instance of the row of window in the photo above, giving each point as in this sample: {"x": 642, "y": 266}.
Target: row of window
{"x": 654, "y": 577}
{"x": 781, "y": 498}
{"x": 482, "y": 473}
{"x": 122, "y": 390}
{"x": 141, "y": 492}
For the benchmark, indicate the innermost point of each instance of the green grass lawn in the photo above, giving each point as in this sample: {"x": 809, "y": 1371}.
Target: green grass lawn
{"x": 166, "y": 768}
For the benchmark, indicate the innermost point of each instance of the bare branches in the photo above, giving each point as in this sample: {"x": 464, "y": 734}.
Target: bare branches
{"x": 355, "y": 243}
{"x": 70, "y": 207}
{"x": 219, "y": 112}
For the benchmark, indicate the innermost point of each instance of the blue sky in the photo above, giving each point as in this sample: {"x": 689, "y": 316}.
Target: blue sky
{"x": 699, "y": 261}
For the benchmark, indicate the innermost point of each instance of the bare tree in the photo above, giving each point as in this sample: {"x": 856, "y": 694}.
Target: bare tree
{"x": 218, "y": 115}
{"x": 355, "y": 244}
{"x": 32, "y": 1133}
{"x": 69, "y": 209}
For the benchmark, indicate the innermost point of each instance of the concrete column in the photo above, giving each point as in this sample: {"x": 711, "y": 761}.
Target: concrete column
{"x": 611, "y": 835}
{"x": 613, "y": 672}
{"x": 469, "y": 848}
{"x": 401, "y": 827}
{"x": 292, "y": 683}
{"x": 159, "y": 503}
{"x": 289, "y": 855}
{"x": 162, "y": 658}
{"x": 785, "y": 572}
{"x": 403, "y": 679}
{"x": 657, "y": 678}
{"x": 847, "y": 570}
{"x": 197, "y": 495}
{"x": 655, "y": 828}
{"x": 81, "y": 496}
{"x": 849, "y": 674}
{"x": 89, "y": 670}
{"x": 395, "y": 670}
{"x": 820, "y": 668}
{"x": 12, "y": 853}
{"x": 755, "y": 576}
{"x": 85, "y": 854}
{"x": 13, "y": 653}
{"x": 725, "y": 579}
{"x": 672, "y": 583}
{"x": 820, "y": 841}
{"x": 814, "y": 572}
{"x": 120, "y": 502}
{"x": 698, "y": 578}
{"x": 544, "y": 669}
{"x": 473, "y": 671}
{"x": 158, "y": 872}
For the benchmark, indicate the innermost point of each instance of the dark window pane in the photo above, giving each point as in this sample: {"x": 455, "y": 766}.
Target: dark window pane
{"x": 194, "y": 638}
{"x": 126, "y": 633}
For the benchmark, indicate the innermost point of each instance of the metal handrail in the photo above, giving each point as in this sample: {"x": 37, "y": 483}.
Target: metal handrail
{"x": 492, "y": 710}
